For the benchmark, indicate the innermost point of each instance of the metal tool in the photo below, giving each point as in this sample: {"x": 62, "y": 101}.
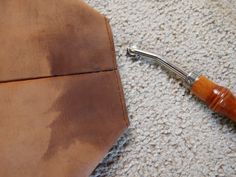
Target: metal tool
{"x": 218, "y": 98}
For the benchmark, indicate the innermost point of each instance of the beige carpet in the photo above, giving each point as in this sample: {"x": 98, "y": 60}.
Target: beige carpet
{"x": 171, "y": 132}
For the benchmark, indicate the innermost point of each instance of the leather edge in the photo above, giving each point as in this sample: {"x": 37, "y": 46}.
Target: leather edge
{"x": 118, "y": 79}
{"x": 122, "y": 98}
{"x": 112, "y": 46}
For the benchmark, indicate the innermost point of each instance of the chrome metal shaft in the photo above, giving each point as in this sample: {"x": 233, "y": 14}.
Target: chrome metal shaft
{"x": 189, "y": 78}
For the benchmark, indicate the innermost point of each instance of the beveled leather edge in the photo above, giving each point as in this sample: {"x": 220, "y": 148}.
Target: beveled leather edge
{"x": 111, "y": 50}
{"x": 112, "y": 46}
{"x": 122, "y": 98}
{"x": 118, "y": 79}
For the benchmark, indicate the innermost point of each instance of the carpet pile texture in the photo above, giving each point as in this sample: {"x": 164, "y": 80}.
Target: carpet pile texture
{"x": 172, "y": 133}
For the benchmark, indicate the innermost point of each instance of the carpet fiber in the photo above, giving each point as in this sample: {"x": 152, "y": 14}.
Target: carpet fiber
{"x": 172, "y": 133}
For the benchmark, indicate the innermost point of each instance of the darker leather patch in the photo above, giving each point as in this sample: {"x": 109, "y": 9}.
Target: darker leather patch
{"x": 88, "y": 109}
{"x": 61, "y": 101}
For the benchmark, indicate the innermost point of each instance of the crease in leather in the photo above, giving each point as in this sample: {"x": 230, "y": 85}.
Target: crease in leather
{"x": 108, "y": 28}
{"x": 35, "y": 78}
{"x": 68, "y": 104}
{"x": 51, "y": 148}
{"x": 61, "y": 41}
{"x": 58, "y": 138}
{"x": 115, "y": 69}
{"x": 65, "y": 90}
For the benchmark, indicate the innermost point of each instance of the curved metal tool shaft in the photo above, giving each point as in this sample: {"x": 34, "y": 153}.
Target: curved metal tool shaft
{"x": 218, "y": 98}
{"x": 188, "y": 77}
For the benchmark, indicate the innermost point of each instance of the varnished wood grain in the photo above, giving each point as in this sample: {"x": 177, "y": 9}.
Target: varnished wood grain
{"x": 218, "y": 98}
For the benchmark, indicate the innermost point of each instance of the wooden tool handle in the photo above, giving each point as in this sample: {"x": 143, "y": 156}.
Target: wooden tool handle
{"x": 218, "y": 98}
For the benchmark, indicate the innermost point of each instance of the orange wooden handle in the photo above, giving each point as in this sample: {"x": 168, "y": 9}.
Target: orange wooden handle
{"x": 219, "y": 99}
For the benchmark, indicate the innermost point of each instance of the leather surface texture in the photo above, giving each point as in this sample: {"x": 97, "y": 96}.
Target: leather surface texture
{"x": 61, "y": 101}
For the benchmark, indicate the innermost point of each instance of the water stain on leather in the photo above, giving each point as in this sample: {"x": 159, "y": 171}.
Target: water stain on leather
{"x": 71, "y": 48}
{"x": 83, "y": 105}
{"x": 64, "y": 51}
{"x": 82, "y": 118}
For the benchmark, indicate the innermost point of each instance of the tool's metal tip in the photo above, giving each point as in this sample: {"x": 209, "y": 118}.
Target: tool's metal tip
{"x": 131, "y": 51}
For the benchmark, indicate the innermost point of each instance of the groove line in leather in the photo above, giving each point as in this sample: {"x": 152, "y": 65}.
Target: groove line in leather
{"x": 121, "y": 96}
{"x": 44, "y": 77}
{"x": 118, "y": 80}
{"x": 111, "y": 42}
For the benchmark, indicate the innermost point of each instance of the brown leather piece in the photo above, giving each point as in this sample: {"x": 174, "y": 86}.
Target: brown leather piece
{"x": 52, "y": 37}
{"x": 61, "y": 100}
{"x": 59, "y": 127}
